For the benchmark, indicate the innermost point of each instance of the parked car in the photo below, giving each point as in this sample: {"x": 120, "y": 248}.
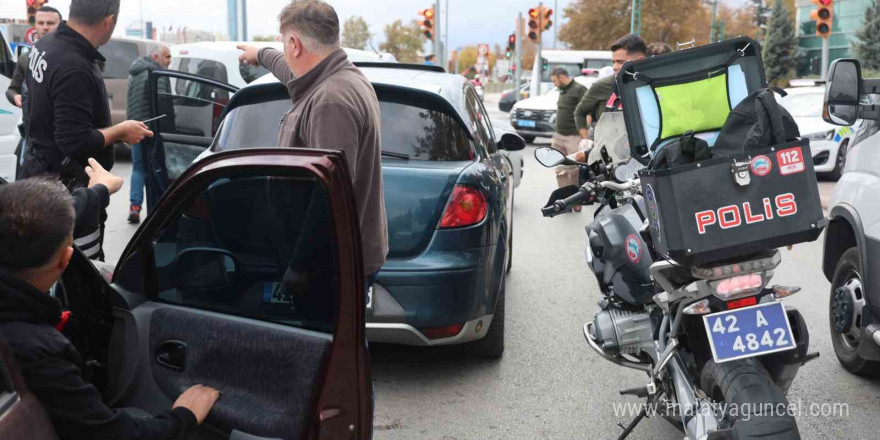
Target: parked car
{"x": 851, "y": 258}
{"x": 120, "y": 54}
{"x": 219, "y": 60}
{"x": 202, "y": 281}
{"x": 448, "y": 194}
{"x": 508, "y": 98}
{"x": 536, "y": 117}
{"x": 10, "y": 115}
{"x": 828, "y": 143}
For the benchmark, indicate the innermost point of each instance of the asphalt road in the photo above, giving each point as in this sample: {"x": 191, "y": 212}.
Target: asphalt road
{"x": 549, "y": 384}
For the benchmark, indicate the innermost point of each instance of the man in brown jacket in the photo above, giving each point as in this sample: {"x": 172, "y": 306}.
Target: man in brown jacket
{"x": 334, "y": 108}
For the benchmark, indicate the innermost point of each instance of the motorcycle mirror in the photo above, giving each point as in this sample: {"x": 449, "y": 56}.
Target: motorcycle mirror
{"x": 549, "y": 157}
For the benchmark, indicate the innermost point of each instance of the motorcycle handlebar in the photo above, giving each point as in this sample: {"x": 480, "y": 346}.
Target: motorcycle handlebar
{"x": 561, "y": 205}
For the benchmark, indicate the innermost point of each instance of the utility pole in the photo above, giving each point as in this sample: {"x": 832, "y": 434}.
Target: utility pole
{"x": 825, "y": 50}
{"x": 446, "y": 38}
{"x": 714, "y": 14}
{"x": 517, "y": 56}
{"x": 635, "y": 26}
{"x": 556, "y": 25}
{"x": 438, "y": 51}
{"x": 538, "y": 58}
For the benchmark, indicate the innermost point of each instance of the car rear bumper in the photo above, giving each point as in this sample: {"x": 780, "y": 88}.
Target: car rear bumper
{"x": 434, "y": 290}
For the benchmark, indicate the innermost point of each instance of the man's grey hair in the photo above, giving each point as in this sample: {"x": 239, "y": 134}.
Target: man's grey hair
{"x": 316, "y": 23}
{"x": 156, "y": 49}
{"x": 559, "y": 71}
{"x": 91, "y": 12}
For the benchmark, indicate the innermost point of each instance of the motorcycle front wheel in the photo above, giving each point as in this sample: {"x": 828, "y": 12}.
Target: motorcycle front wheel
{"x": 753, "y": 405}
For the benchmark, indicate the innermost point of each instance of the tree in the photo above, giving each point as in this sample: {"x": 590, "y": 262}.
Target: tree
{"x": 867, "y": 48}
{"x": 596, "y": 24}
{"x": 779, "y": 45}
{"x": 404, "y": 41}
{"x": 356, "y": 33}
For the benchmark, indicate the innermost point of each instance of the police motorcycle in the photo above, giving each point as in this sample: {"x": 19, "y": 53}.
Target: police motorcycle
{"x": 684, "y": 256}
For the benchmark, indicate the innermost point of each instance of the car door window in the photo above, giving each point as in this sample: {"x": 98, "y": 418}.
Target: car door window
{"x": 198, "y": 66}
{"x": 480, "y": 122}
{"x": 483, "y": 119}
{"x": 255, "y": 246}
{"x": 119, "y": 55}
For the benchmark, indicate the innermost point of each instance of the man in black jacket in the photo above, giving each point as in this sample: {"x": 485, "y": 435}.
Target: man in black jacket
{"x": 36, "y": 233}
{"x": 68, "y": 110}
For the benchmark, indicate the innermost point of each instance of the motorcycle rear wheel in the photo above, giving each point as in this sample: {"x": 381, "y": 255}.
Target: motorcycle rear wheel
{"x": 746, "y": 385}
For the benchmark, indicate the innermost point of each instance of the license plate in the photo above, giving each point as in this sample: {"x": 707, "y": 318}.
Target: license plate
{"x": 525, "y": 123}
{"x": 749, "y": 332}
{"x": 370, "y": 298}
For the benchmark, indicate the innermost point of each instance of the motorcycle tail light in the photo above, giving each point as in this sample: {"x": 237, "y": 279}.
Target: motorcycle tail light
{"x": 738, "y": 286}
{"x": 768, "y": 262}
{"x": 466, "y": 207}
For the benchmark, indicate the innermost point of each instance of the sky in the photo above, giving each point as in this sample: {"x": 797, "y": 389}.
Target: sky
{"x": 470, "y": 21}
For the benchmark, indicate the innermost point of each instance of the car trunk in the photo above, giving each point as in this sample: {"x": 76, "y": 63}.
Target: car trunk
{"x": 416, "y": 193}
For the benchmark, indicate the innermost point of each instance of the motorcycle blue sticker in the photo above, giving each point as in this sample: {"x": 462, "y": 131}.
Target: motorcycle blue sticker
{"x": 761, "y": 165}
{"x": 653, "y": 213}
{"x": 633, "y": 249}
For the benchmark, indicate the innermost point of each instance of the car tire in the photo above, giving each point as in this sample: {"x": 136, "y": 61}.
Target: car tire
{"x": 528, "y": 138}
{"x": 491, "y": 346}
{"x": 840, "y": 161}
{"x": 846, "y": 287}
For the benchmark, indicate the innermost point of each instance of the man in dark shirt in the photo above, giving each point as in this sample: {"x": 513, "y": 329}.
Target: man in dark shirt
{"x": 594, "y": 103}
{"x": 36, "y": 235}
{"x": 68, "y": 110}
{"x": 566, "y": 138}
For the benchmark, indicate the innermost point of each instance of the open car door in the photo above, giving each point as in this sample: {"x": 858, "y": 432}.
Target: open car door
{"x": 248, "y": 278}
{"x": 189, "y": 109}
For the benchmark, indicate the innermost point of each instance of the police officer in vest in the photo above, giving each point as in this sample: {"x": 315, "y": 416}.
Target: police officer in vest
{"x": 68, "y": 111}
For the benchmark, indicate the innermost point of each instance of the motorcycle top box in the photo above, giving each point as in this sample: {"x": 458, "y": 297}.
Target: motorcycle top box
{"x": 727, "y": 206}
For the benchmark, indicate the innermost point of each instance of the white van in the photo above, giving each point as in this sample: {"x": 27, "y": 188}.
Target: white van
{"x": 218, "y": 60}
{"x": 574, "y": 61}
{"x": 10, "y": 115}
{"x": 851, "y": 258}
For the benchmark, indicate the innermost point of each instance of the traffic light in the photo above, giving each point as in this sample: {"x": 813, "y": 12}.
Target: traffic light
{"x": 824, "y": 17}
{"x": 539, "y": 21}
{"x": 511, "y": 45}
{"x": 534, "y": 17}
{"x": 546, "y": 19}
{"x": 545, "y": 65}
{"x": 428, "y": 23}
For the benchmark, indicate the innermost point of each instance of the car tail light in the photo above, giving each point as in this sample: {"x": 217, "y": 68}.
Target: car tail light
{"x": 447, "y": 331}
{"x": 466, "y": 207}
{"x": 738, "y": 286}
{"x": 743, "y": 302}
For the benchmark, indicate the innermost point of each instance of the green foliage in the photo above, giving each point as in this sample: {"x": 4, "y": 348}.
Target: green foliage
{"x": 867, "y": 48}
{"x": 355, "y": 33}
{"x": 780, "y": 45}
{"x": 404, "y": 41}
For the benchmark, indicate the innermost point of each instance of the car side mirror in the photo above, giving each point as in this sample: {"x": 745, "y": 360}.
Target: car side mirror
{"x": 511, "y": 142}
{"x": 549, "y": 157}
{"x": 205, "y": 269}
{"x": 843, "y": 93}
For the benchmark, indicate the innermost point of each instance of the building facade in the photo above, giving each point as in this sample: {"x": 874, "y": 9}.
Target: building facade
{"x": 848, "y": 17}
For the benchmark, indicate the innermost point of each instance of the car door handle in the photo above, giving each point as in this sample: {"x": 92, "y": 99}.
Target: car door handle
{"x": 172, "y": 354}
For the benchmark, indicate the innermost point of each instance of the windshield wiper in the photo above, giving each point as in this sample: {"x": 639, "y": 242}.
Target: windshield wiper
{"x": 395, "y": 155}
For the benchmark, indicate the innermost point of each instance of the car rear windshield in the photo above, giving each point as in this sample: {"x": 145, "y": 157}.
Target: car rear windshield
{"x": 418, "y": 133}
{"x": 119, "y": 55}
